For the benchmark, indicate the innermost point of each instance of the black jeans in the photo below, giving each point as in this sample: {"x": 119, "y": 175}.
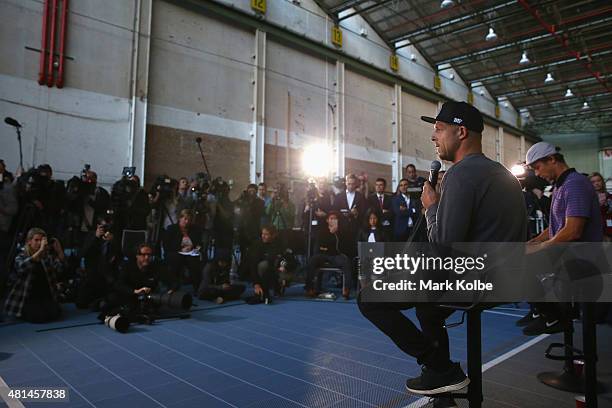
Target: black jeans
{"x": 176, "y": 264}
{"x": 429, "y": 346}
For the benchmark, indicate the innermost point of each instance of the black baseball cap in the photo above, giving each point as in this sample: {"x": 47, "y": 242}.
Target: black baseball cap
{"x": 459, "y": 113}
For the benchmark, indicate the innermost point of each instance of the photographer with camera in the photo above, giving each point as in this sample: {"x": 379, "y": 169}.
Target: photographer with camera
{"x": 182, "y": 244}
{"x": 162, "y": 198}
{"x": 33, "y": 293}
{"x": 223, "y": 220}
{"x": 129, "y": 203}
{"x": 41, "y": 201}
{"x": 184, "y": 196}
{"x": 101, "y": 256}
{"x": 86, "y": 202}
{"x": 281, "y": 210}
{"x": 204, "y": 205}
{"x": 248, "y": 210}
{"x": 137, "y": 279}
{"x": 8, "y": 209}
{"x": 270, "y": 264}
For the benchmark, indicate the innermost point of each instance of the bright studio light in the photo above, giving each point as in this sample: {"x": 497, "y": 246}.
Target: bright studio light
{"x": 316, "y": 161}
{"x": 517, "y": 170}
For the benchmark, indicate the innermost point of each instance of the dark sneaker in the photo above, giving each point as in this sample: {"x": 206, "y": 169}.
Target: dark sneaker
{"x": 528, "y": 318}
{"x": 444, "y": 401}
{"x": 543, "y": 326}
{"x": 435, "y": 382}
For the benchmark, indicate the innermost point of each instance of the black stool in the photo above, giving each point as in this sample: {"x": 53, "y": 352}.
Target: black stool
{"x": 568, "y": 380}
{"x": 474, "y": 349}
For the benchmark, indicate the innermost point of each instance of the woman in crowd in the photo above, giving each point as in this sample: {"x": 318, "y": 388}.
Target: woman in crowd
{"x": 183, "y": 248}
{"x": 372, "y": 231}
{"x": 33, "y": 294}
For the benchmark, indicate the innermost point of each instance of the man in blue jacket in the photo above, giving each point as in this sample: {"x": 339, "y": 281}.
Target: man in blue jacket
{"x": 406, "y": 212}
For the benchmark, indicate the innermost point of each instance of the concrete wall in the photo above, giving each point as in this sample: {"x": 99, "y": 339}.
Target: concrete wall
{"x": 88, "y": 120}
{"x": 197, "y": 80}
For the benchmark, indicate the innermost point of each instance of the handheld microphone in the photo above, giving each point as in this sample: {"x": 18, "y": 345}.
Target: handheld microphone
{"x": 198, "y": 140}
{"x": 433, "y": 173}
{"x": 10, "y": 121}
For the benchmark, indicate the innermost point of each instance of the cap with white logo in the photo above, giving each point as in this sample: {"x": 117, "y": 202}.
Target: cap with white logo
{"x": 459, "y": 113}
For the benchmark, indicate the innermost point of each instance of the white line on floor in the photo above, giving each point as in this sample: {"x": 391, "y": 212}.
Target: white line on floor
{"x": 11, "y": 403}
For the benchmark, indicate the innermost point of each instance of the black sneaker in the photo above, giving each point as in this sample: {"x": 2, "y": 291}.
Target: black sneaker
{"x": 528, "y": 318}
{"x": 444, "y": 401}
{"x": 434, "y": 382}
{"x": 543, "y": 326}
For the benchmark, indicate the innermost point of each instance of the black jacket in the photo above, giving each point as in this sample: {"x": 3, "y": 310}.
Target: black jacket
{"x": 374, "y": 205}
{"x": 173, "y": 237}
{"x": 131, "y": 278}
{"x": 273, "y": 252}
{"x": 101, "y": 257}
{"x": 334, "y": 244}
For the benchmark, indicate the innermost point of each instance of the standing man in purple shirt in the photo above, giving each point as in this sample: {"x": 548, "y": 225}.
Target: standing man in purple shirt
{"x": 574, "y": 217}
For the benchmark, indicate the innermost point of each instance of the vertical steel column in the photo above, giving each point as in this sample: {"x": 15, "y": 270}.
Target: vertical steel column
{"x": 139, "y": 87}
{"x": 257, "y": 141}
{"x": 397, "y": 162}
{"x": 499, "y": 145}
{"x": 339, "y": 136}
{"x": 522, "y": 149}
{"x": 474, "y": 358}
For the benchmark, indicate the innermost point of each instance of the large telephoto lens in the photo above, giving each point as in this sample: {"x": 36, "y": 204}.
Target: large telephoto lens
{"x": 175, "y": 300}
{"x": 117, "y": 323}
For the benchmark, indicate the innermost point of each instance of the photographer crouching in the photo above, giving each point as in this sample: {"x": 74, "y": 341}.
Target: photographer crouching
{"x": 139, "y": 280}
{"x": 33, "y": 293}
{"x": 270, "y": 264}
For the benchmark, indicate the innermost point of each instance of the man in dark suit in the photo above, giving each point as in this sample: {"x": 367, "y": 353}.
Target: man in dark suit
{"x": 381, "y": 204}
{"x": 351, "y": 204}
{"x": 406, "y": 211}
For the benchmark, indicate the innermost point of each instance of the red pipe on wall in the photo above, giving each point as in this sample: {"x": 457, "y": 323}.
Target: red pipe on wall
{"x": 60, "y": 70}
{"x": 42, "y": 75}
{"x": 52, "y": 44}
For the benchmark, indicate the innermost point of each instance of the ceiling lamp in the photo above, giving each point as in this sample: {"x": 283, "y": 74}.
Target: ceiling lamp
{"x": 447, "y": 4}
{"x": 524, "y": 60}
{"x": 585, "y": 106}
{"x": 549, "y": 78}
{"x": 568, "y": 93}
{"x": 412, "y": 57}
{"x": 491, "y": 36}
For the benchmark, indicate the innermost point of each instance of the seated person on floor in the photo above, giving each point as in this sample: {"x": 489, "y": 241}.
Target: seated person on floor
{"x": 332, "y": 250}
{"x": 215, "y": 283}
{"x": 183, "y": 248}
{"x": 270, "y": 264}
{"x": 137, "y": 278}
{"x": 33, "y": 293}
{"x": 102, "y": 257}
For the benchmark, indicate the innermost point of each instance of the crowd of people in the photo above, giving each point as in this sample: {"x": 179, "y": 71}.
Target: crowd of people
{"x": 76, "y": 233}
{"x": 65, "y": 241}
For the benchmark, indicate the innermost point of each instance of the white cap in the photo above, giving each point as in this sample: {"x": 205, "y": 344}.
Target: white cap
{"x": 539, "y": 151}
